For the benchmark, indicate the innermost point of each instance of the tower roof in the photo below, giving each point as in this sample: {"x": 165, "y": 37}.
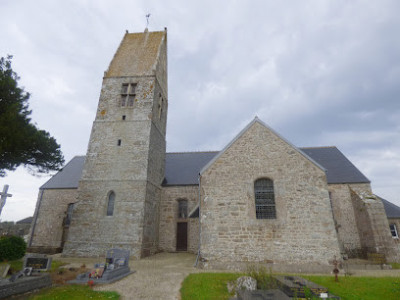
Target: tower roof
{"x": 137, "y": 54}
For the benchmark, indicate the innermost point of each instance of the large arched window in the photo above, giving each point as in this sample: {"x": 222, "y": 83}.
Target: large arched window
{"x": 110, "y": 203}
{"x": 264, "y": 199}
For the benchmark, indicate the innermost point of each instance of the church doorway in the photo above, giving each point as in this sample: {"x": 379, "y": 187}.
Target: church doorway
{"x": 181, "y": 236}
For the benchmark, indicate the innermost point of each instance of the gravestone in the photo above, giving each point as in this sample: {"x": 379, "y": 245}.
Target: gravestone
{"x": 116, "y": 267}
{"x": 294, "y": 286}
{"x": 38, "y": 262}
{"x": 29, "y": 278}
{"x": 262, "y": 295}
{"x": 4, "y": 270}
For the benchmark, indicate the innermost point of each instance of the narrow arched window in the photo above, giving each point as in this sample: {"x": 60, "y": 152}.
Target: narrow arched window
{"x": 69, "y": 214}
{"x": 182, "y": 209}
{"x": 110, "y": 204}
{"x": 264, "y": 199}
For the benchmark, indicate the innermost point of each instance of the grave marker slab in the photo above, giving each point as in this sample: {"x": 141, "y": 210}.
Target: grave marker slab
{"x": 116, "y": 266}
{"x": 4, "y": 270}
{"x": 37, "y": 262}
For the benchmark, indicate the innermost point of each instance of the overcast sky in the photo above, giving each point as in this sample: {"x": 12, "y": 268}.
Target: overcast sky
{"x": 320, "y": 73}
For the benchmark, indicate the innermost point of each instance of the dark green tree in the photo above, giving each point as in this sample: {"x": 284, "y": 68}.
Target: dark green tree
{"x": 21, "y": 142}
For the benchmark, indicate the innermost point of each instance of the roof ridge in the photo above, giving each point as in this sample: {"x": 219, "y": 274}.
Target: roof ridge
{"x": 183, "y": 152}
{"x": 317, "y": 147}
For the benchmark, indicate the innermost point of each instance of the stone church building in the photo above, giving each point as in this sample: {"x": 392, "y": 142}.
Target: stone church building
{"x": 260, "y": 199}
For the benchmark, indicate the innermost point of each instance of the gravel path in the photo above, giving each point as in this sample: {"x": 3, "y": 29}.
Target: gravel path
{"x": 157, "y": 277}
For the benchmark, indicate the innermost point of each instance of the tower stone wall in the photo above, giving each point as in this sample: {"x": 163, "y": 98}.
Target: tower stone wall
{"x": 126, "y": 154}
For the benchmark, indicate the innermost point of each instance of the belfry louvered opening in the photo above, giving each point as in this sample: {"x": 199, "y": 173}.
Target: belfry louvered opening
{"x": 264, "y": 199}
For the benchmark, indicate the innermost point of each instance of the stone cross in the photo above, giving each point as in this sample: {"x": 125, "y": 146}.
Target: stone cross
{"x": 147, "y": 17}
{"x": 4, "y": 196}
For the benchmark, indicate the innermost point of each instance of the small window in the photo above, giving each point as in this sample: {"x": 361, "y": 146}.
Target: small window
{"x": 123, "y": 101}
{"x": 69, "y": 214}
{"x": 119, "y": 142}
{"x": 123, "y": 118}
{"x": 264, "y": 199}
{"x": 124, "y": 90}
{"x": 182, "y": 209}
{"x": 393, "y": 231}
{"x": 131, "y": 100}
{"x": 128, "y": 94}
{"x": 110, "y": 204}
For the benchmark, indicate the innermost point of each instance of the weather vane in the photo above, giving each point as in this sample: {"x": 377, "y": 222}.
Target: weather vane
{"x": 147, "y": 17}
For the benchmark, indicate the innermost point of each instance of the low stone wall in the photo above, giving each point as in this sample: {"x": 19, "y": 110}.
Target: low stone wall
{"x": 44, "y": 250}
{"x": 23, "y": 285}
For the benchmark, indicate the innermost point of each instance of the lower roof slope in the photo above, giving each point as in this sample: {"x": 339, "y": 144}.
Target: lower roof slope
{"x": 338, "y": 168}
{"x": 183, "y": 168}
{"x": 392, "y": 210}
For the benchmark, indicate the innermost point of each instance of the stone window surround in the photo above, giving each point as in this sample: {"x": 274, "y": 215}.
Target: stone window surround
{"x": 393, "y": 231}
{"x": 160, "y": 105}
{"x": 68, "y": 217}
{"x": 128, "y": 94}
{"x": 274, "y": 198}
{"x": 110, "y": 203}
{"x": 179, "y": 214}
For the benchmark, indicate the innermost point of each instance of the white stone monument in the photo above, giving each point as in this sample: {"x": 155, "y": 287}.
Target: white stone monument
{"x": 4, "y": 196}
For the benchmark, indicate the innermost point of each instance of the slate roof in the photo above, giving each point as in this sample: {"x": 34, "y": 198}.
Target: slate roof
{"x": 183, "y": 168}
{"x": 392, "y": 210}
{"x": 68, "y": 177}
{"x": 27, "y": 220}
{"x": 338, "y": 168}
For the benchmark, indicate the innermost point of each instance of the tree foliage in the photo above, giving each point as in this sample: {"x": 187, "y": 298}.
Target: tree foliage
{"x": 12, "y": 247}
{"x": 21, "y": 142}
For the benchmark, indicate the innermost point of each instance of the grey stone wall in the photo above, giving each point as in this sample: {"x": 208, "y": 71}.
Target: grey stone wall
{"x": 169, "y": 217}
{"x": 92, "y": 232}
{"x": 47, "y": 224}
{"x": 303, "y": 231}
{"x": 133, "y": 170}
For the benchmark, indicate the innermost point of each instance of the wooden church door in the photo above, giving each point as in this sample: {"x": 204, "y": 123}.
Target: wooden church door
{"x": 181, "y": 236}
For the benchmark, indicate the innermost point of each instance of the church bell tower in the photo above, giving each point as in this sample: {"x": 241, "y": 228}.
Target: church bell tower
{"x": 119, "y": 192}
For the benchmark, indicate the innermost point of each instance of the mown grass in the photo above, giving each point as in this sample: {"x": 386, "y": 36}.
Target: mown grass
{"x": 77, "y": 292}
{"x": 16, "y": 265}
{"x": 365, "y": 288}
{"x": 207, "y": 286}
{"x": 395, "y": 266}
{"x": 214, "y": 286}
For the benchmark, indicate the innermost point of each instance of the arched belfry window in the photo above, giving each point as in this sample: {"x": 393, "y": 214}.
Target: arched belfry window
{"x": 264, "y": 199}
{"x": 110, "y": 203}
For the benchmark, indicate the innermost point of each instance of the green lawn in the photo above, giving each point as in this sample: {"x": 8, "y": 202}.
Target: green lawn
{"x": 365, "y": 288}
{"x": 15, "y": 265}
{"x": 213, "y": 286}
{"x": 207, "y": 286}
{"x": 67, "y": 292}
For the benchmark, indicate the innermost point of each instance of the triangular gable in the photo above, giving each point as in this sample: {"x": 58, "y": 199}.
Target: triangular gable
{"x": 257, "y": 120}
